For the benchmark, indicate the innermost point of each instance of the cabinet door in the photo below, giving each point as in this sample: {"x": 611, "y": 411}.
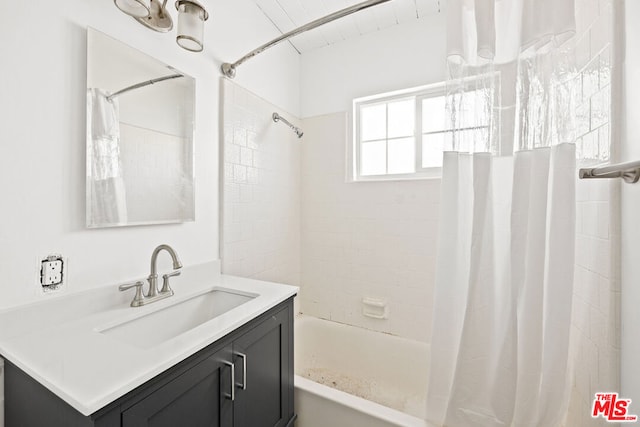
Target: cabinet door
{"x": 264, "y": 395}
{"x": 199, "y": 397}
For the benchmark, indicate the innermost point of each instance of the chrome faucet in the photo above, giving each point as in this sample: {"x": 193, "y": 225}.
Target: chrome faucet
{"x": 153, "y": 294}
{"x": 153, "y": 276}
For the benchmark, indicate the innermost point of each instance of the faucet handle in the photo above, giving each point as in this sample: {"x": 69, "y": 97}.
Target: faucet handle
{"x": 165, "y": 282}
{"x": 138, "y": 299}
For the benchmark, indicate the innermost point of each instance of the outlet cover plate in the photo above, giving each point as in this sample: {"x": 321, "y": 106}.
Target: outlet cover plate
{"x": 51, "y": 273}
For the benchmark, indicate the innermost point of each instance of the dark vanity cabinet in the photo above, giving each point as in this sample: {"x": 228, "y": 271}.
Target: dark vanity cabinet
{"x": 259, "y": 399}
{"x": 243, "y": 380}
{"x": 195, "y": 398}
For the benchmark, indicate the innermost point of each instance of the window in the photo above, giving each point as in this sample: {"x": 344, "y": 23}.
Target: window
{"x": 402, "y": 135}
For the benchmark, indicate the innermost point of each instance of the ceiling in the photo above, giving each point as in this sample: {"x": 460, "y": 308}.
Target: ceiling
{"x": 287, "y": 15}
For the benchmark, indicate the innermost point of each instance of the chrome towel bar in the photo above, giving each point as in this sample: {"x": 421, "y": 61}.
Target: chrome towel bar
{"x": 629, "y": 171}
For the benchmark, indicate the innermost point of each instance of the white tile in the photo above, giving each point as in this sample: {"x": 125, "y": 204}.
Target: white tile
{"x": 602, "y": 264}
{"x": 239, "y": 173}
{"x": 252, "y": 140}
{"x": 231, "y": 192}
{"x": 228, "y": 172}
{"x": 246, "y": 193}
{"x": 603, "y": 221}
{"x": 589, "y": 213}
{"x": 240, "y": 136}
{"x": 597, "y": 327}
{"x": 614, "y": 338}
{"x": 246, "y": 156}
{"x": 231, "y": 153}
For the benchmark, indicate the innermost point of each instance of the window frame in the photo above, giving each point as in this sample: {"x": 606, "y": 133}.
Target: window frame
{"x": 417, "y": 94}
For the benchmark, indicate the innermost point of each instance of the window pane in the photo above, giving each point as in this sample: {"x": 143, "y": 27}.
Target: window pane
{"x": 475, "y": 108}
{"x": 402, "y": 156}
{"x": 373, "y": 122}
{"x": 432, "y": 149}
{"x": 373, "y": 158}
{"x": 433, "y": 114}
{"x": 401, "y": 118}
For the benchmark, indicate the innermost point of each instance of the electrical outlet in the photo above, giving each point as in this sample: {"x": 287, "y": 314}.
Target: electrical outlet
{"x": 52, "y": 273}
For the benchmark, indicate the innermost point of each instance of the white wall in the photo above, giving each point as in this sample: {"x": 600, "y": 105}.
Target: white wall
{"x": 42, "y": 154}
{"x": 630, "y": 251}
{"x": 398, "y": 57}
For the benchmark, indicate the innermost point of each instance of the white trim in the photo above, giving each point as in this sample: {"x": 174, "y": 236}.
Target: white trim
{"x": 417, "y": 94}
{"x": 430, "y": 88}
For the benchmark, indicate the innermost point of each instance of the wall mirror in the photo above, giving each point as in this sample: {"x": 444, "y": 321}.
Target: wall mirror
{"x": 140, "y": 124}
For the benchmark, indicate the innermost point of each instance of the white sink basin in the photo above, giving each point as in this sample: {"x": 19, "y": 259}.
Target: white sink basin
{"x": 157, "y": 327}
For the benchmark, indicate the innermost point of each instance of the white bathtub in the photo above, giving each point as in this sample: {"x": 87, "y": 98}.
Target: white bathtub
{"x": 375, "y": 379}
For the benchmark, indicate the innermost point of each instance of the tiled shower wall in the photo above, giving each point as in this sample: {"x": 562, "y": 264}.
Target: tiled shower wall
{"x": 161, "y": 150}
{"x": 260, "y": 188}
{"x": 289, "y": 216}
{"x": 596, "y": 308}
{"x": 364, "y": 239}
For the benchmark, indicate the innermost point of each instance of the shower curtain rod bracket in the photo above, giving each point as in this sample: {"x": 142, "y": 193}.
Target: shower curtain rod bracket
{"x": 228, "y": 70}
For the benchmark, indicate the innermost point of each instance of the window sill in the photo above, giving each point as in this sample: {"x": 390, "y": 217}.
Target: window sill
{"x": 387, "y": 178}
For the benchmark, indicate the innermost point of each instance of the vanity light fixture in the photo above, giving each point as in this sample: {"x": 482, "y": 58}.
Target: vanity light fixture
{"x": 153, "y": 14}
{"x": 135, "y": 8}
{"x": 191, "y": 17}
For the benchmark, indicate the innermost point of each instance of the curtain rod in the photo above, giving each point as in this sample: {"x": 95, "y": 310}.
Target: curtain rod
{"x": 143, "y": 84}
{"x": 229, "y": 70}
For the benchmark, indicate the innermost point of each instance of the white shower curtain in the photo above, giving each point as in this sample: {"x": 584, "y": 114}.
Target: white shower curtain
{"x": 504, "y": 279}
{"x": 108, "y": 205}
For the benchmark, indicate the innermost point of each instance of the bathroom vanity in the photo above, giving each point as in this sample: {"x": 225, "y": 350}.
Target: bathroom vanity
{"x": 233, "y": 368}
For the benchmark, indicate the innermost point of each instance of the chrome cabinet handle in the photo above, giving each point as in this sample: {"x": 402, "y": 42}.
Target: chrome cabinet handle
{"x": 243, "y": 385}
{"x": 232, "y": 396}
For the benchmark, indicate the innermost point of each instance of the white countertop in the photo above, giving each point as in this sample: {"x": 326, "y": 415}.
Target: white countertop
{"x": 57, "y": 341}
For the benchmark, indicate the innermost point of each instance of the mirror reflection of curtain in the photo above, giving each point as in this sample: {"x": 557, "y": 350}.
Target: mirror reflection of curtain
{"x": 108, "y": 205}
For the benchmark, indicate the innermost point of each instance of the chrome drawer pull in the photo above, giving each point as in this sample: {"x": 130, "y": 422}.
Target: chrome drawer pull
{"x": 233, "y": 381}
{"x": 244, "y": 370}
